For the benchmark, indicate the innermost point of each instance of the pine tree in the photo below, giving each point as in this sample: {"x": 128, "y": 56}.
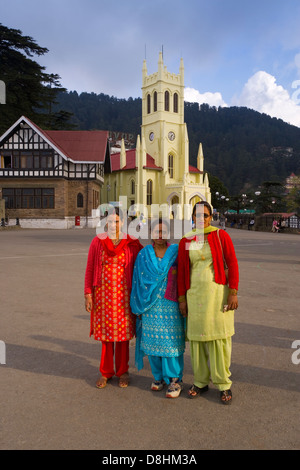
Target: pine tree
{"x": 30, "y": 91}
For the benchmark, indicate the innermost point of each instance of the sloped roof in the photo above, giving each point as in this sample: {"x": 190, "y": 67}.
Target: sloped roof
{"x": 131, "y": 161}
{"x": 83, "y": 146}
{"x": 76, "y": 146}
{"x": 286, "y": 215}
{"x": 193, "y": 169}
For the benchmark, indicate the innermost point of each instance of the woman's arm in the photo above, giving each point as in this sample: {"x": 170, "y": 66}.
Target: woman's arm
{"x": 89, "y": 277}
{"x": 233, "y": 270}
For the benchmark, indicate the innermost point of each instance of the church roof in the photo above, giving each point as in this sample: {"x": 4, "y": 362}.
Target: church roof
{"x": 131, "y": 161}
{"x": 193, "y": 169}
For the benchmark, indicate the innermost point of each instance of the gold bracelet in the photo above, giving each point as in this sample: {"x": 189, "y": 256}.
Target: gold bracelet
{"x": 181, "y": 298}
{"x": 88, "y": 294}
{"x": 233, "y": 291}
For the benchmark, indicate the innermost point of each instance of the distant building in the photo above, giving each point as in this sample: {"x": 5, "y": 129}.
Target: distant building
{"x": 292, "y": 182}
{"x": 47, "y": 178}
{"x": 157, "y": 171}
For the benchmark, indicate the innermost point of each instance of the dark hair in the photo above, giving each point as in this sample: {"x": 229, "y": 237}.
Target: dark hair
{"x": 160, "y": 221}
{"x": 115, "y": 210}
{"x": 203, "y": 203}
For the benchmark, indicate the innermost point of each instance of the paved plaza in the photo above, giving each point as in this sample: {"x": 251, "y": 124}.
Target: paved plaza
{"x": 48, "y": 394}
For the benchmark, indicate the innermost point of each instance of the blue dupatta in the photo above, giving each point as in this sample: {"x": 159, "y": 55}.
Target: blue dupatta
{"x": 147, "y": 284}
{"x": 148, "y": 277}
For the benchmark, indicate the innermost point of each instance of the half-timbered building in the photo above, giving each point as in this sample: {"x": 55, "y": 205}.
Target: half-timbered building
{"x": 52, "y": 178}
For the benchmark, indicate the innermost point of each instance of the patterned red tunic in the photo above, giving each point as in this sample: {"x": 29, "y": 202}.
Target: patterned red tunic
{"x": 112, "y": 317}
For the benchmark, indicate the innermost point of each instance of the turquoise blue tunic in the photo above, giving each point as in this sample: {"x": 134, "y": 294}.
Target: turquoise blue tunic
{"x": 162, "y": 325}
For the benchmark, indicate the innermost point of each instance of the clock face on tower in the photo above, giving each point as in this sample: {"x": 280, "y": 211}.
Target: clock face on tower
{"x": 151, "y": 136}
{"x": 171, "y": 135}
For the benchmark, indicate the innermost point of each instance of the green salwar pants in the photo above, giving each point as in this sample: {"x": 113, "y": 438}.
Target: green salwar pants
{"x": 211, "y": 359}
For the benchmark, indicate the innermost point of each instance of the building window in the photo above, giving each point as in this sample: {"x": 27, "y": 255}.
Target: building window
{"x": 36, "y": 159}
{"x": 79, "y": 200}
{"x": 28, "y": 198}
{"x": 148, "y": 104}
{"x": 6, "y": 159}
{"x": 167, "y": 101}
{"x": 132, "y": 187}
{"x": 95, "y": 199}
{"x": 155, "y": 101}
{"x": 149, "y": 192}
{"x": 171, "y": 165}
{"x": 175, "y": 103}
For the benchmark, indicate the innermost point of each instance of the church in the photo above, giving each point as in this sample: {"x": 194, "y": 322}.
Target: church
{"x": 157, "y": 171}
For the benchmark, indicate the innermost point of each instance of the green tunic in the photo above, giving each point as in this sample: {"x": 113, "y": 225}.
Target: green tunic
{"x": 206, "y": 320}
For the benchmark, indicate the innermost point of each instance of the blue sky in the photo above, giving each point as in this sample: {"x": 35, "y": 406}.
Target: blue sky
{"x": 235, "y": 52}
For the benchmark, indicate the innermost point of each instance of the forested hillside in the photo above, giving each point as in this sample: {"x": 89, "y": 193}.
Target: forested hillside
{"x": 242, "y": 147}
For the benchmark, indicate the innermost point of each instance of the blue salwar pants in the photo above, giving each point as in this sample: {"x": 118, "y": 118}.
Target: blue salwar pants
{"x": 166, "y": 368}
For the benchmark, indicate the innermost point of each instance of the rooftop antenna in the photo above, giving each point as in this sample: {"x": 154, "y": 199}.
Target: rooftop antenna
{"x": 162, "y": 50}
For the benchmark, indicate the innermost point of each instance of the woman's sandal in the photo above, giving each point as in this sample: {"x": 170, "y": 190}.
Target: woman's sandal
{"x": 226, "y": 397}
{"x": 102, "y": 382}
{"x": 195, "y": 391}
{"x": 124, "y": 380}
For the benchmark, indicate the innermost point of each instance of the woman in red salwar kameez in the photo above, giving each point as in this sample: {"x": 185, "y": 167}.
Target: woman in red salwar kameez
{"x": 108, "y": 281}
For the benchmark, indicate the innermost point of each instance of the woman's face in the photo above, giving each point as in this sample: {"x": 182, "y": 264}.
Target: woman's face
{"x": 202, "y": 217}
{"x": 160, "y": 234}
{"x": 114, "y": 226}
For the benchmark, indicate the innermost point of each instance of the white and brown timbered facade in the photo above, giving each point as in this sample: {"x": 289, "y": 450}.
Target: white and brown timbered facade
{"x": 49, "y": 178}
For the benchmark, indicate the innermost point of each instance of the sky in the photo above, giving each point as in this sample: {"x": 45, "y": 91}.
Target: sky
{"x": 235, "y": 52}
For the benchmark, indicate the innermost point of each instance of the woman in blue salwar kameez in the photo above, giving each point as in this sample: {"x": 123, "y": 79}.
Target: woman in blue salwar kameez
{"x": 160, "y": 326}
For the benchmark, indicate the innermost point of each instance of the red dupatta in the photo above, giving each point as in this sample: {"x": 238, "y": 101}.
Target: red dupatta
{"x": 110, "y": 248}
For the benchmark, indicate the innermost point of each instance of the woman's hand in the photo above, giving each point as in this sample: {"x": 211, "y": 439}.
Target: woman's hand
{"x": 232, "y": 302}
{"x": 88, "y": 302}
{"x": 183, "y": 308}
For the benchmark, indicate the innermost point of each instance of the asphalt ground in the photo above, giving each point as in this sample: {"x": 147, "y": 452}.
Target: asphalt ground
{"x": 48, "y": 396}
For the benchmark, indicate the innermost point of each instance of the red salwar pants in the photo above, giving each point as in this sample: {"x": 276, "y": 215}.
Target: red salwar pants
{"x": 110, "y": 349}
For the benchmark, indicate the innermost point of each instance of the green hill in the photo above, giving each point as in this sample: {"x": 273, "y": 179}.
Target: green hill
{"x": 242, "y": 147}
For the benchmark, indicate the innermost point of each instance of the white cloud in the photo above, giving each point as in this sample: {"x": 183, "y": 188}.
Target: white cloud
{"x": 262, "y": 94}
{"x": 194, "y": 96}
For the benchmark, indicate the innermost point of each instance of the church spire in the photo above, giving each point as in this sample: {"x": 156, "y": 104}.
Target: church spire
{"x": 160, "y": 65}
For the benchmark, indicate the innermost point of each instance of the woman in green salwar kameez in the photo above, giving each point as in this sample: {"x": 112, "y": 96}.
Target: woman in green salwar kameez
{"x": 208, "y": 302}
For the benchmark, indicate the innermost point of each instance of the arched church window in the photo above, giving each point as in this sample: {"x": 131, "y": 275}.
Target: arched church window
{"x": 79, "y": 200}
{"x": 149, "y": 192}
{"x": 155, "y": 101}
{"x": 148, "y": 104}
{"x": 171, "y": 165}
{"x": 167, "y": 101}
{"x": 132, "y": 187}
{"x": 175, "y": 103}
